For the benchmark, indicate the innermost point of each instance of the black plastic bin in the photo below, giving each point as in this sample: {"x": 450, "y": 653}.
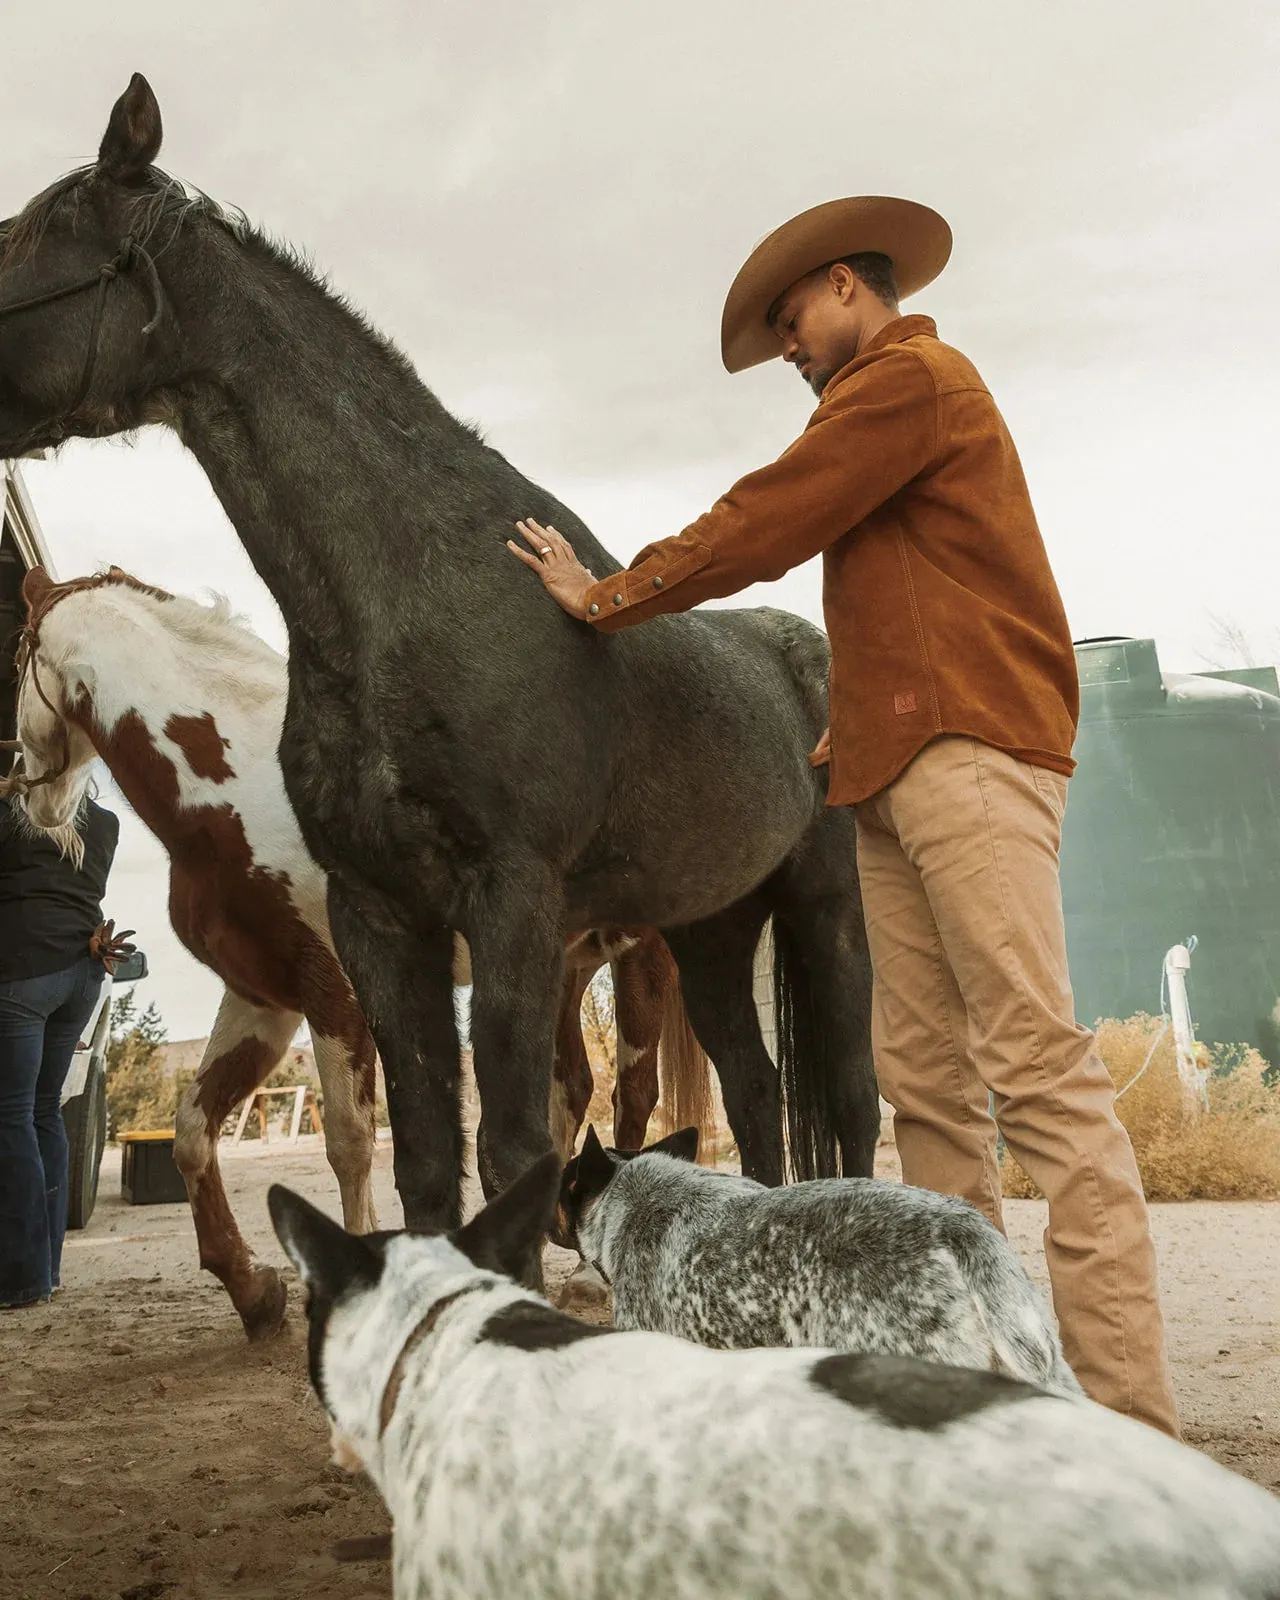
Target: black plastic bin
{"x": 148, "y": 1173}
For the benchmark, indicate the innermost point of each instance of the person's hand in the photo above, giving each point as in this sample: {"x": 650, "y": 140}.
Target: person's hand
{"x": 108, "y": 946}
{"x": 564, "y": 577}
{"x": 820, "y": 755}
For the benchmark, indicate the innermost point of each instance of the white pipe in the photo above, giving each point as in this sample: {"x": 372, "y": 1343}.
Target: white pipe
{"x": 1177, "y": 963}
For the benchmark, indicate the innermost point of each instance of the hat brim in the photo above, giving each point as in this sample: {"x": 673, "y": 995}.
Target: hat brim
{"x": 914, "y": 237}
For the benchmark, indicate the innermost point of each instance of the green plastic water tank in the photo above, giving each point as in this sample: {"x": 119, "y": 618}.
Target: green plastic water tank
{"x": 1173, "y": 829}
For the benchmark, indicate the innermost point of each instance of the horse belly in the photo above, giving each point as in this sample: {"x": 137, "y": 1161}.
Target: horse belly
{"x": 679, "y": 850}
{"x": 253, "y": 949}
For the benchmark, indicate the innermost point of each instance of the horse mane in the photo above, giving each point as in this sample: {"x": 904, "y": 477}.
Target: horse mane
{"x": 162, "y": 199}
{"x": 157, "y": 213}
{"x": 213, "y": 627}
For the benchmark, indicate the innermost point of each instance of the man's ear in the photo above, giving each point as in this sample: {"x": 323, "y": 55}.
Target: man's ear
{"x": 506, "y": 1236}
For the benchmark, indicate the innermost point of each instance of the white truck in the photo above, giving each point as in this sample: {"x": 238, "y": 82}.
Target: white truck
{"x": 84, "y": 1098}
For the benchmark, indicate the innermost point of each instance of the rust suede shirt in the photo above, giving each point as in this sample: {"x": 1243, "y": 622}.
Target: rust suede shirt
{"x": 941, "y": 608}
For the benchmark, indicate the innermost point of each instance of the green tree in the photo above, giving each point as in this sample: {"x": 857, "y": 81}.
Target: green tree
{"x": 139, "y": 1096}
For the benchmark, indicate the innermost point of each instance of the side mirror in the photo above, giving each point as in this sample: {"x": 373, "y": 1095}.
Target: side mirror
{"x": 131, "y": 968}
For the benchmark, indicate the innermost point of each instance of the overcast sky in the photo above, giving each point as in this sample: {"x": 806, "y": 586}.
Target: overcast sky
{"x": 544, "y": 205}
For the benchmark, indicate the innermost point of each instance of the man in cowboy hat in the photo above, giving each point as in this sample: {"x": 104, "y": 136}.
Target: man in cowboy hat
{"x": 953, "y": 710}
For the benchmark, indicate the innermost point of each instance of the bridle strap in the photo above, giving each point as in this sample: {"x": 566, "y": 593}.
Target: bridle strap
{"x": 25, "y": 663}
{"x": 127, "y": 257}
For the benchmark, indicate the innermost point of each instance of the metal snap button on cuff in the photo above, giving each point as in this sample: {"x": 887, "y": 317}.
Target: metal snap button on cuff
{"x": 617, "y": 599}
{"x": 657, "y": 583}
{"x": 593, "y": 610}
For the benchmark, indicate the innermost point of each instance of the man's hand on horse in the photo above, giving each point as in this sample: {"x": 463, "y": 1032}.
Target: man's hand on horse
{"x": 820, "y": 755}
{"x": 551, "y": 556}
{"x": 108, "y": 946}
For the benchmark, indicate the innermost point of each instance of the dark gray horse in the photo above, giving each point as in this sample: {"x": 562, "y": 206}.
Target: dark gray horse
{"x": 459, "y": 753}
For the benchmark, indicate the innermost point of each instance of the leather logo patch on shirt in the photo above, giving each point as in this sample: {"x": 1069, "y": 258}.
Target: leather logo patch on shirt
{"x": 903, "y": 703}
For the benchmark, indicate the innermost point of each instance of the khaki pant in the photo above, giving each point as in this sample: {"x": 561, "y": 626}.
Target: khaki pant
{"x": 959, "y": 866}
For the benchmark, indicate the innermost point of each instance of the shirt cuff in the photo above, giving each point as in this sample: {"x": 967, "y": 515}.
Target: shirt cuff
{"x": 644, "y": 590}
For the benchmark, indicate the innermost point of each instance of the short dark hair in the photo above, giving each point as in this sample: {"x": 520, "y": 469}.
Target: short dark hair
{"x": 875, "y": 270}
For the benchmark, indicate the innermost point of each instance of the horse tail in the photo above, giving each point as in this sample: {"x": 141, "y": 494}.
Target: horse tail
{"x": 807, "y": 1067}
{"x": 686, "y": 1093}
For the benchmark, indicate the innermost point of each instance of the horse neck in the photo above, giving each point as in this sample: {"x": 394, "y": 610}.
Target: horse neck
{"x": 333, "y": 460}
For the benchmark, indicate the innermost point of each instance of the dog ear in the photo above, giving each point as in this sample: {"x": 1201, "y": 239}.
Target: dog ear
{"x": 682, "y": 1145}
{"x": 507, "y": 1235}
{"x": 564, "y": 1223}
{"x": 328, "y": 1258}
{"x": 596, "y": 1166}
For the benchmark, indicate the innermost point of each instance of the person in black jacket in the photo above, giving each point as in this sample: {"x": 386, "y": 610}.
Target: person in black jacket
{"x": 55, "y": 954}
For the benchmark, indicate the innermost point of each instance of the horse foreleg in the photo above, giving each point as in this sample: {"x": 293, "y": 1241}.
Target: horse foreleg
{"x": 517, "y": 959}
{"x": 640, "y": 979}
{"x": 403, "y": 978}
{"x": 246, "y": 1043}
{"x": 572, "y": 1081}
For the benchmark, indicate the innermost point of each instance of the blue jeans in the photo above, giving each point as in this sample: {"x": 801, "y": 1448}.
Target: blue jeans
{"x": 40, "y": 1024}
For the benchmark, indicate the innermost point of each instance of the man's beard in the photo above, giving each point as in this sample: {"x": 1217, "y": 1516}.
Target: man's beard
{"x": 817, "y": 380}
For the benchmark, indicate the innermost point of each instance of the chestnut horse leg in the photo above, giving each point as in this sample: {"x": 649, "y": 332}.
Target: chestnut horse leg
{"x": 571, "y": 1080}
{"x": 641, "y": 978}
{"x": 345, "y": 1068}
{"x": 246, "y": 1043}
{"x": 344, "y": 1054}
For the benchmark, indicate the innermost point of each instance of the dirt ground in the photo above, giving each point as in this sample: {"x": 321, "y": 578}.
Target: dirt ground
{"x": 147, "y": 1452}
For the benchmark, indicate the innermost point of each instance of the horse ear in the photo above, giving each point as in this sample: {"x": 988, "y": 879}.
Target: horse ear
{"x": 328, "y": 1258}
{"x": 132, "y": 140}
{"x": 507, "y": 1235}
{"x": 35, "y": 586}
{"x": 682, "y": 1145}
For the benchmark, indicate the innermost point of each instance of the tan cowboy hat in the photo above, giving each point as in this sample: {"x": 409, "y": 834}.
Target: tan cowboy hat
{"x": 916, "y": 239}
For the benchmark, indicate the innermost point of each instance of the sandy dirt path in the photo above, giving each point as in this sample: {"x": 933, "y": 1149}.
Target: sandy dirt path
{"x": 147, "y": 1452}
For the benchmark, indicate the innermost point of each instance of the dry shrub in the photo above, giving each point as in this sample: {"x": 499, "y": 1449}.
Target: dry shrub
{"x": 139, "y": 1096}
{"x": 1229, "y": 1152}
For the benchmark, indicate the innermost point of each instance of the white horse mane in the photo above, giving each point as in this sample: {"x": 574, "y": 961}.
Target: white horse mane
{"x": 213, "y": 625}
{"x": 68, "y": 838}
{"x": 211, "y": 628}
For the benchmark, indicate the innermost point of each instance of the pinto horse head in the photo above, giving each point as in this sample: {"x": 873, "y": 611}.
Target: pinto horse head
{"x": 57, "y": 752}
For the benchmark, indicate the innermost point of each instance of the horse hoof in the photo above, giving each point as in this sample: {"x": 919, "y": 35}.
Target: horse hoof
{"x": 583, "y": 1290}
{"x": 263, "y": 1314}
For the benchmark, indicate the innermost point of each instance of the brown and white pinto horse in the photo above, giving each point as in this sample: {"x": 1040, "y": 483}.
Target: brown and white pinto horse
{"x": 648, "y": 1013}
{"x": 184, "y": 705}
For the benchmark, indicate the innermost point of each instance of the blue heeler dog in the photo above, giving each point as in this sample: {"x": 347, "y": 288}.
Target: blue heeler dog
{"x": 523, "y": 1453}
{"x": 841, "y": 1263}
